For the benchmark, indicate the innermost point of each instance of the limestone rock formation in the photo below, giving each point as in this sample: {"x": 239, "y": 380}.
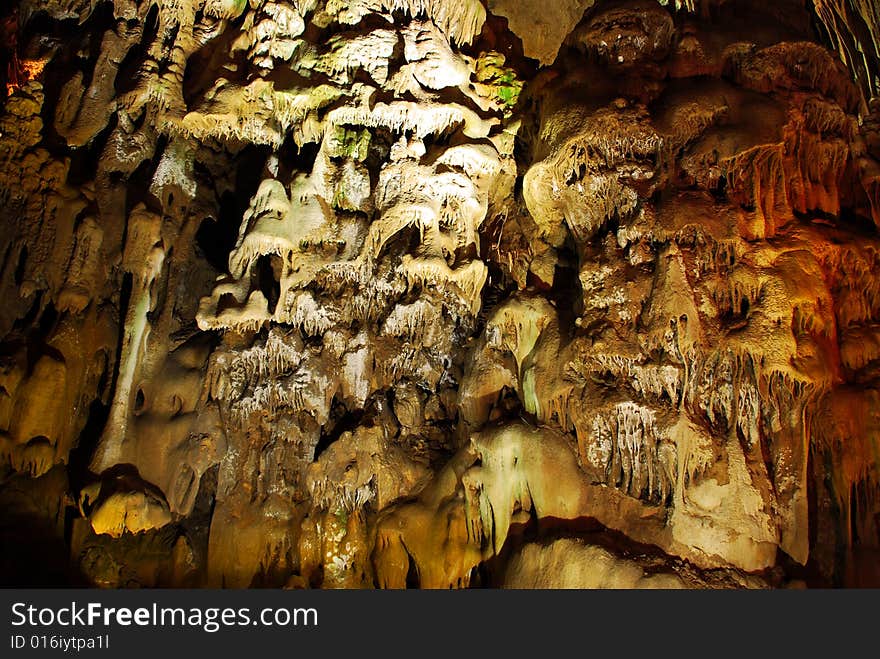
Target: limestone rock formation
{"x": 440, "y": 293}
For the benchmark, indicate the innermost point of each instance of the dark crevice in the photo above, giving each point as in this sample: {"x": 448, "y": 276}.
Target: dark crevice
{"x": 127, "y": 77}
{"x": 216, "y": 237}
{"x": 81, "y": 454}
{"x": 20, "y": 267}
{"x": 268, "y": 275}
{"x": 344, "y": 420}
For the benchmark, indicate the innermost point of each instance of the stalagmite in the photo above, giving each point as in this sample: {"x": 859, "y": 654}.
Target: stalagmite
{"x": 143, "y": 258}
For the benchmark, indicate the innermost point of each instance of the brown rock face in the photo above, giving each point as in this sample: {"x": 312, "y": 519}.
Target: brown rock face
{"x": 394, "y": 293}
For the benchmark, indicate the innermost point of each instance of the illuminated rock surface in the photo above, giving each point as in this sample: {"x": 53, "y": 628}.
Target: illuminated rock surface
{"x": 440, "y": 293}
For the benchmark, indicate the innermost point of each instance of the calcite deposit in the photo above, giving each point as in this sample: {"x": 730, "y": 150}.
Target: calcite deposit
{"x": 440, "y": 293}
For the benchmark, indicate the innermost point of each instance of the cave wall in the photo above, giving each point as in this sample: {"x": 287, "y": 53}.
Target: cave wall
{"x": 395, "y": 293}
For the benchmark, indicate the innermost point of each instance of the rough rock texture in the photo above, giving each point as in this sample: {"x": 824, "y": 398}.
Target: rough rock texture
{"x": 395, "y": 293}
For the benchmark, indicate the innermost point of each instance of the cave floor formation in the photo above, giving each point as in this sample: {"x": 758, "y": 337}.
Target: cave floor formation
{"x": 440, "y": 293}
